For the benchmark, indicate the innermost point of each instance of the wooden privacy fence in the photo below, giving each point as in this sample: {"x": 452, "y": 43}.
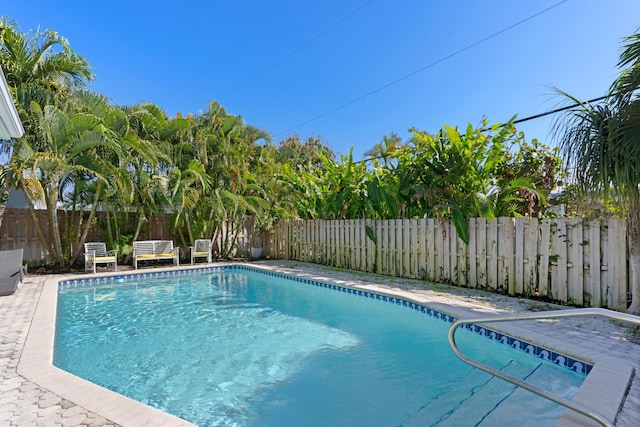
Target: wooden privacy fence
{"x": 565, "y": 259}
{"x": 18, "y": 231}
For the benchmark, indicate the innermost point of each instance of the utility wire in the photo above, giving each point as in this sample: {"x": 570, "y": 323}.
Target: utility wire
{"x": 293, "y": 52}
{"x": 557, "y": 110}
{"x": 526, "y": 119}
{"x": 458, "y": 52}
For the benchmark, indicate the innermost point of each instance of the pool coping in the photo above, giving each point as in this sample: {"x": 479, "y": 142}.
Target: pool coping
{"x": 603, "y": 390}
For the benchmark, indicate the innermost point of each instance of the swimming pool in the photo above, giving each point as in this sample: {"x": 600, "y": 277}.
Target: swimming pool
{"x": 271, "y": 351}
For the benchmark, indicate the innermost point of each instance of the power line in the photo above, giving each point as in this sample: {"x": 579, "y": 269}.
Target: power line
{"x": 557, "y": 110}
{"x": 526, "y": 119}
{"x": 458, "y": 52}
{"x": 289, "y": 55}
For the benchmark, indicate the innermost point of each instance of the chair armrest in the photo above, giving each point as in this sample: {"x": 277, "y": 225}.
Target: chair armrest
{"x": 89, "y": 255}
{"x": 113, "y": 252}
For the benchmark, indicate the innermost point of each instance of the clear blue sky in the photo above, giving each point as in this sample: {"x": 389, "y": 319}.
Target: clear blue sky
{"x": 283, "y": 63}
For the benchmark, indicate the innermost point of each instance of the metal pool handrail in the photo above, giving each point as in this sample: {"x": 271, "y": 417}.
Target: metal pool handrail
{"x": 533, "y": 316}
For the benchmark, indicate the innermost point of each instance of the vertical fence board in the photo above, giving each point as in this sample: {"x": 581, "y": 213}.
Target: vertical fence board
{"x": 397, "y": 248}
{"x": 544, "y": 245}
{"x": 317, "y": 242}
{"x": 453, "y": 253}
{"x": 462, "y": 261}
{"x": 481, "y": 251}
{"x": 349, "y": 243}
{"x": 446, "y": 251}
{"x": 530, "y": 256}
{"x": 321, "y": 240}
{"x": 593, "y": 283}
{"x": 617, "y": 265}
{"x": 604, "y": 261}
{"x": 431, "y": 250}
{"x": 339, "y": 236}
{"x": 422, "y": 248}
{"x": 505, "y": 255}
{"x": 335, "y": 254}
{"x": 492, "y": 254}
{"x": 328, "y": 239}
{"x": 391, "y": 244}
{"x": 306, "y": 242}
{"x": 439, "y": 236}
{"x": 472, "y": 280}
{"x": 575, "y": 270}
{"x": 338, "y": 241}
{"x": 414, "y": 251}
{"x": 559, "y": 267}
{"x": 519, "y": 266}
{"x": 382, "y": 266}
{"x": 357, "y": 243}
{"x": 379, "y": 246}
{"x": 625, "y": 289}
{"x": 406, "y": 248}
{"x": 364, "y": 245}
{"x": 612, "y": 291}
{"x": 345, "y": 233}
{"x": 369, "y": 246}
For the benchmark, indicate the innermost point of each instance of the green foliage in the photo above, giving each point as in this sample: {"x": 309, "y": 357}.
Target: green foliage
{"x": 371, "y": 234}
{"x": 462, "y": 225}
{"x": 486, "y": 172}
{"x": 212, "y": 170}
{"x": 310, "y": 155}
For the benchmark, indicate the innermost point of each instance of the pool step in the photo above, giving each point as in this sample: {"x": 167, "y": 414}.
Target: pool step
{"x": 546, "y": 412}
{"x": 474, "y": 410}
{"x": 455, "y": 409}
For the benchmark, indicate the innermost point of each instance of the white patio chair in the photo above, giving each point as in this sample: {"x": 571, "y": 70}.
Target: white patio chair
{"x": 201, "y": 249}
{"x": 96, "y": 253}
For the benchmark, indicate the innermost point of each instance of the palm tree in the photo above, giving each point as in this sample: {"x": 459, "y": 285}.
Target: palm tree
{"x": 386, "y": 148}
{"x": 601, "y": 144}
{"x": 145, "y": 128}
{"x": 41, "y": 68}
{"x": 70, "y": 144}
{"x": 186, "y": 187}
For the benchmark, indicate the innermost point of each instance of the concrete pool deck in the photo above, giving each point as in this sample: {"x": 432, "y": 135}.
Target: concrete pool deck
{"x": 34, "y": 392}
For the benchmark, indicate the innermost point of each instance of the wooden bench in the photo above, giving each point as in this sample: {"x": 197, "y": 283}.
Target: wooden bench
{"x": 148, "y": 250}
{"x": 96, "y": 253}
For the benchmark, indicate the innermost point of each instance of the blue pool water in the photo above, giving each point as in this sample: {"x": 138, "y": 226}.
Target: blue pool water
{"x": 242, "y": 348}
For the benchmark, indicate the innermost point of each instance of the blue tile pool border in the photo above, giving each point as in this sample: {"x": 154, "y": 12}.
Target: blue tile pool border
{"x": 516, "y": 343}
